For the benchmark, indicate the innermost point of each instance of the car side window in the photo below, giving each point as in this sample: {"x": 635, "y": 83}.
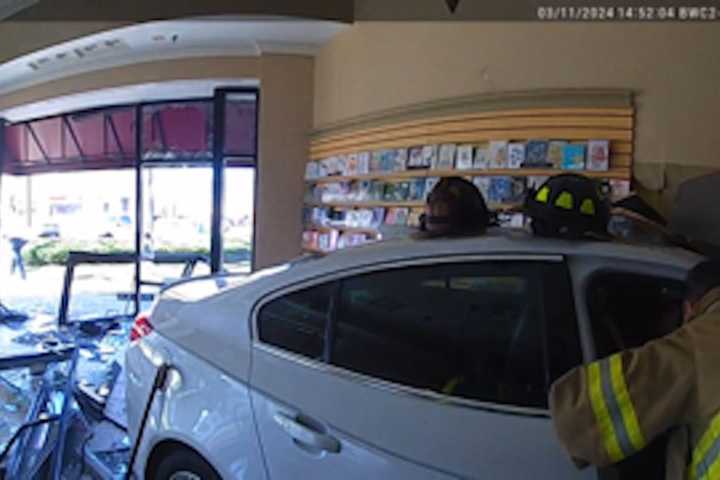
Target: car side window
{"x": 627, "y": 309}
{"x": 469, "y": 330}
{"x": 297, "y": 322}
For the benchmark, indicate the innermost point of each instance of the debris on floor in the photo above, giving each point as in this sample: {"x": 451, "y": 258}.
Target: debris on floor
{"x": 62, "y": 397}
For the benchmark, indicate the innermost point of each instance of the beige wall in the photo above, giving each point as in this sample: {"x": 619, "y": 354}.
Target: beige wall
{"x": 285, "y": 122}
{"x": 674, "y": 70}
{"x": 286, "y": 103}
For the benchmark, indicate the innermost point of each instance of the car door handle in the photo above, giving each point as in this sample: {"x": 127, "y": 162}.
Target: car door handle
{"x": 306, "y": 435}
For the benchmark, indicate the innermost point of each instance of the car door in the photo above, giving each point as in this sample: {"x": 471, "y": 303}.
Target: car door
{"x": 431, "y": 369}
{"x": 627, "y": 306}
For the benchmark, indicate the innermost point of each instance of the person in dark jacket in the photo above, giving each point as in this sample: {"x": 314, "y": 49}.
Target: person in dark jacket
{"x": 17, "y": 244}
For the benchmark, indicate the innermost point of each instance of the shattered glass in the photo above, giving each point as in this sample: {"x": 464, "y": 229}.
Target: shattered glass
{"x": 35, "y": 393}
{"x": 16, "y": 394}
{"x": 96, "y": 440}
{"x": 62, "y": 397}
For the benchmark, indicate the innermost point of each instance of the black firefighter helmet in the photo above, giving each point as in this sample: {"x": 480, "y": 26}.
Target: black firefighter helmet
{"x": 455, "y": 207}
{"x": 568, "y": 206}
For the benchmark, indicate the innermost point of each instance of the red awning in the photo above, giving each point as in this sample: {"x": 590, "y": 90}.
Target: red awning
{"x": 105, "y": 139}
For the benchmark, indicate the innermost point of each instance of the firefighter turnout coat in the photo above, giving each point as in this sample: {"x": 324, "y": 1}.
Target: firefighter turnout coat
{"x": 612, "y": 408}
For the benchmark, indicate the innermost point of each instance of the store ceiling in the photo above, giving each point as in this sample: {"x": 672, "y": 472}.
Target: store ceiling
{"x": 219, "y": 36}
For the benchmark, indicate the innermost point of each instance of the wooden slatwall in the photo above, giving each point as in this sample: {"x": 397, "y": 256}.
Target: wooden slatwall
{"x": 565, "y": 123}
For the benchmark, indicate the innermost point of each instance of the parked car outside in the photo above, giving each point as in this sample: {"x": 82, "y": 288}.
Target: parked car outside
{"x": 416, "y": 359}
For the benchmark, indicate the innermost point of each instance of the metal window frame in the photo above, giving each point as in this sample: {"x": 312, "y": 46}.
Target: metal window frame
{"x": 29, "y": 128}
{"x": 89, "y": 258}
{"x": 67, "y": 126}
{"x": 219, "y": 167}
{"x": 219, "y": 163}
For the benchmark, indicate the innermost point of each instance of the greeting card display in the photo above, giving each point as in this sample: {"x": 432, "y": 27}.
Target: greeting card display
{"x": 340, "y": 165}
{"x": 401, "y": 157}
{"x": 387, "y": 160}
{"x": 360, "y": 191}
{"x": 378, "y": 217}
{"x": 446, "y": 157}
{"x": 376, "y": 159}
{"x": 516, "y": 154}
{"x": 351, "y": 165}
{"x": 483, "y": 184}
{"x": 415, "y": 158}
{"x": 573, "y": 157}
{"x": 430, "y": 183}
{"x": 311, "y": 171}
{"x": 417, "y": 190}
{"x": 498, "y": 154}
{"x": 430, "y": 156}
{"x": 598, "y": 155}
{"x": 482, "y": 156}
{"x": 536, "y": 154}
{"x": 536, "y": 181}
{"x": 555, "y": 153}
{"x": 377, "y": 191}
{"x": 414, "y": 217}
{"x": 397, "y": 192}
{"x": 363, "y": 165}
{"x": 464, "y": 159}
{"x": 506, "y": 189}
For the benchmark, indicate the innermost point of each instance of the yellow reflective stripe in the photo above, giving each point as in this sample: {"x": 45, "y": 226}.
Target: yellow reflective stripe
{"x": 587, "y": 207}
{"x": 543, "y": 194}
{"x": 451, "y": 385}
{"x": 711, "y": 435}
{"x": 564, "y": 200}
{"x": 714, "y": 470}
{"x": 625, "y": 402}
{"x": 602, "y": 415}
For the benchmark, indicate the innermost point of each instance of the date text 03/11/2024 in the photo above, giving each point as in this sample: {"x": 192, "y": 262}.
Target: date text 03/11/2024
{"x": 707, "y": 13}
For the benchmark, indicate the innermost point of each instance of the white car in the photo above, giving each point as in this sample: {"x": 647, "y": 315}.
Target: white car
{"x": 417, "y": 359}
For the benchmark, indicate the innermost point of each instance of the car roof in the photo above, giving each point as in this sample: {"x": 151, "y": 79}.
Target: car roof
{"x": 497, "y": 241}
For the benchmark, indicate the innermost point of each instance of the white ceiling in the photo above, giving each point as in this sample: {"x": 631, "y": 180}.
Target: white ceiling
{"x": 219, "y": 36}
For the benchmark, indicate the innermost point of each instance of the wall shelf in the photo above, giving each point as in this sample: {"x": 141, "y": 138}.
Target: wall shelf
{"x": 368, "y": 204}
{"x": 376, "y": 204}
{"x": 622, "y": 173}
{"x": 327, "y": 228}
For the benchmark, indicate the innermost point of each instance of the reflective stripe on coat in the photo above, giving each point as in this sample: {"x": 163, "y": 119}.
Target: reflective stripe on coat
{"x": 610, "y": 409}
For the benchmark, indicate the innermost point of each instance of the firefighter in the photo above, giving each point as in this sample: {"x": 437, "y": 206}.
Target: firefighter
{"x": 608, "y": 410}
{"x": 454, "y": 207}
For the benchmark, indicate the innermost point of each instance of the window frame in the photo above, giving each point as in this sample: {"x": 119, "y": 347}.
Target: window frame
{"x": 391, "y": 387}
{"x": 582, "y": 272}
{"x": 642, "y": 270}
